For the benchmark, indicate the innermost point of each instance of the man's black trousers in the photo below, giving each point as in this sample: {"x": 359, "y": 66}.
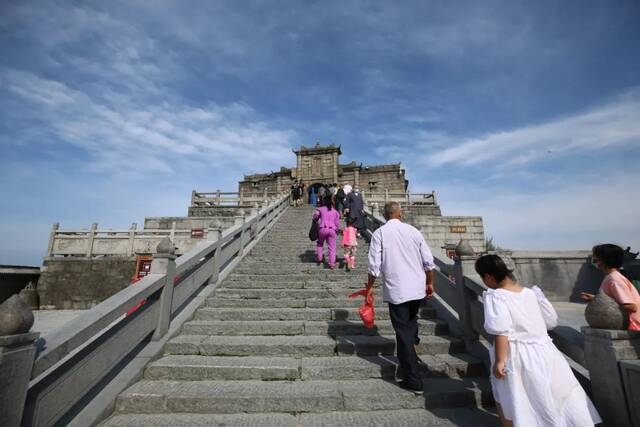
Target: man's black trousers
{"x": 404, "y": 318}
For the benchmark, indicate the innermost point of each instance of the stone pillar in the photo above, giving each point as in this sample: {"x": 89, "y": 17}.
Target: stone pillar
{"x": 604, "y": 349}
{"x": 335, "y": 167}
{"x": 92, "y": 235}
{"x": 239, "y": 220}
{"x": 52, "y": 238}
{"x": 356, "y": 178}
{"x": 213, "y": 235}
{"x": 164, "y": 262}
{"x": 17, "y": 354}
{"x": 465, "y": 260}
{"x": 132, "y": 236}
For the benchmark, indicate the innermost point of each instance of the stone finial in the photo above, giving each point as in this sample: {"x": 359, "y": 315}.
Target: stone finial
{"x": 165, "y": 247}
{"x": 603, "y": 312}
{"x": 464, "y": 248}
{"x": 15, "y": 316}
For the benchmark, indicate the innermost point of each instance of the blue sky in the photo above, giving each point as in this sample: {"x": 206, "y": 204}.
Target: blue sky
{"x": 527, "y": 113}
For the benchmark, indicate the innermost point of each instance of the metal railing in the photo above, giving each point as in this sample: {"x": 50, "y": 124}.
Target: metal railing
{"x": 77, "y": 358}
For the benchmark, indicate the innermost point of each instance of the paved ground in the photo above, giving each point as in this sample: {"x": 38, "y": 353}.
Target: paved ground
{"x": 570, "y": 314}
{"x": 49, "y": 320}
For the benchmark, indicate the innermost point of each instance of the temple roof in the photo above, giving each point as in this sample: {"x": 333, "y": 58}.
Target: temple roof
{"x": 319, "y": 149}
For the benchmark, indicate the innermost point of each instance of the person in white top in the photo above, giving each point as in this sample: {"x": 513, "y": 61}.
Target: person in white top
{"x": 400, "y": 253}
{"x": 532, "y": 383}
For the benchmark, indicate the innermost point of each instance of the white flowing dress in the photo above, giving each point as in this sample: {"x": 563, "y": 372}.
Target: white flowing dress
{"x": 539, "y": 389}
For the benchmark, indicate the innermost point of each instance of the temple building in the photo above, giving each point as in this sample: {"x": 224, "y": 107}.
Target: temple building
{"x": 321, "y": 165}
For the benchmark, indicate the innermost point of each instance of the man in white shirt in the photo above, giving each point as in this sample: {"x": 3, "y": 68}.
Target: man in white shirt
{"x": 347, "y": 189}
{"x": 400, "y": 253}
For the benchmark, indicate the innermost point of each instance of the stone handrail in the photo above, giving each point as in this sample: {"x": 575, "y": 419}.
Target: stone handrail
{"x": 75, "y": 359}
{"x": 407, "y": 198}
{"x": 221, "y": 198}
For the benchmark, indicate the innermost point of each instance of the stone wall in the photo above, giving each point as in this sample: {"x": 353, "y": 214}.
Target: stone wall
{"x": 445, "y": 232}
{"x": 381, "y": 178}
{"x": 72, "y": 283}
{"x": 562, "y": 274}
{"x": 208, "y": 212}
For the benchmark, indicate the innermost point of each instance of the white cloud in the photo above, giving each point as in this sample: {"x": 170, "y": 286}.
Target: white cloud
{"x": 615, "y": 123}
{"x": 117, "y": 133}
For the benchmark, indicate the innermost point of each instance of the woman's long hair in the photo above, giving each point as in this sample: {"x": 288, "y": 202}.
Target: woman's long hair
{"x": 328, "y": 202}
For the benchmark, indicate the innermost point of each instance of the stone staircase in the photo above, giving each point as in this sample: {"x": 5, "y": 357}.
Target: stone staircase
{"x": 279, "y": 343}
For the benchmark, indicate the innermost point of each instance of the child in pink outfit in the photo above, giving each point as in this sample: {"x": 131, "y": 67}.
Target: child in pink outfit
{"x": 350, "y": 244}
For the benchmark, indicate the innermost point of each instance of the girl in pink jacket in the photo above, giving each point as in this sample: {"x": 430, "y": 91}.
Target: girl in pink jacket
{"x": 350, "y": 244}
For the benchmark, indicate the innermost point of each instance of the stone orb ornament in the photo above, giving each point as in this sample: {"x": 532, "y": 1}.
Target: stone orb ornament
{"x": 603, "y": 312}
{"x": 15, "y": 317}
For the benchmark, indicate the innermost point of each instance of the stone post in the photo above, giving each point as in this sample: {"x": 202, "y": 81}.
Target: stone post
{"x": 386, "y": 196}
{"x": 435, "y": 198}
{"x": 164, "y": 262}
{"x": 213, "y": 235}
{"x": 17, "y": 353}
{"x": 464, "y": 265}
{"x": 92, "y": 235}
{"x": 239, "y": 220}
{"x": 132, "y": 236}
{"x": 52, "y": 238}
{"x": 193, "y": 197}
{"x": 217, "y": 201}
{"x": 604, "y": 349}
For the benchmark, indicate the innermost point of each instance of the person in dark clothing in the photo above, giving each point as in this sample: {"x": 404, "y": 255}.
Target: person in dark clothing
{"x": 354, "y": 204}
{"x": 340, "y": 196}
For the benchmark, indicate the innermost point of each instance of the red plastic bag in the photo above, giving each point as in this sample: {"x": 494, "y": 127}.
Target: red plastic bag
{"x": 366, "y": 310}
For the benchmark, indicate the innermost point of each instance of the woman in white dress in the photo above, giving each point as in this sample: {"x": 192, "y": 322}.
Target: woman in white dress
{"x": 532, "y": 383}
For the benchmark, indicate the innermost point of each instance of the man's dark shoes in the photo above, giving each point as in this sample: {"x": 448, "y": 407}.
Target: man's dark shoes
{"x": 418, "y": 391}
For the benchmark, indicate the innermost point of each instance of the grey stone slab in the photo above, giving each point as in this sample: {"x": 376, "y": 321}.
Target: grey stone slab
{"x": 341, "y": 368}
{"x": 185, "y": 344}
{"x": 374, "y": 345}
{"x": 208, "y": 313}
{"x": 194, "y": 368}
{"x": 408, "y": 417}
{"x": 227, "y": 327}
{"x": 277, "y": 293}
{"x": 202, "y": 420}
{"x": 256, "y": 303}
{"x": 382, "y": 327}
{"x": 228, "y": 397}
{"x": 268, "y": 346}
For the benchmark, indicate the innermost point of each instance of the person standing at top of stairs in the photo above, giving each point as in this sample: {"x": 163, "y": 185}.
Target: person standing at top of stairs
{"x": 400, "y": 253}
{"x": 328, "y": 225}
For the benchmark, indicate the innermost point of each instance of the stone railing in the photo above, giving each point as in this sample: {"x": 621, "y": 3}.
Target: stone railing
{"x": 80, "y": 368}
{"x": 405, "y": 198}
{"x": 605, "y": 362}
{"x": 220, "y": 198}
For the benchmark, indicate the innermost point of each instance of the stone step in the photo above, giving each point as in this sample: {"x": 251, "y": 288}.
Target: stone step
{"x": 228, "y": 397}
{"x": 322, "y": 276}
{"x": 211, "y": 345}
{"x": 292, "y": 303}
{"x": 299, "y": 327}
{"x": 195, "y": 368}
{"x": 284, "y": 284}
{"x": 363, "y": 345}
{"x": 399, "y": 417}
{"x": 304, "y": 345}
{"x": 318, "y": 314}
